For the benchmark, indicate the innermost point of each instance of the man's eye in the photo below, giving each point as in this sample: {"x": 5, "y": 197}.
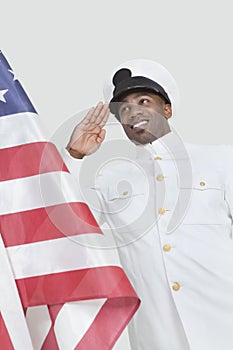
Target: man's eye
{"x": 144, "y": 101}
{"x": 124, "y": 109}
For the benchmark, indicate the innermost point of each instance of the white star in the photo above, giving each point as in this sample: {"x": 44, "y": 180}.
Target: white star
{"x": 2, "y": 93}
{"x": 12, "y": 72}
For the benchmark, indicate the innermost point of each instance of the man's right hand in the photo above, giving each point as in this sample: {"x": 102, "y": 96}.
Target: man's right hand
{"x": 89, "y": 133}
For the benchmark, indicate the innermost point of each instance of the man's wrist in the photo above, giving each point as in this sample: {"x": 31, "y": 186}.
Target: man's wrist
{"x": 74, "y": 153}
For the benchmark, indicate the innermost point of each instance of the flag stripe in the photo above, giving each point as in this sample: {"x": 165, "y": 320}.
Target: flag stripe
{"x": 18, "y": 129}
{"x": 48, "y": 223}
{"x": 57, "y": 256}
{"x": 51, "y": 340}
{"x": 114, "y": 315}
{"x": 71, "y": 314}
{"x": 76, "y": 285}
{"x": 10, "y": 304}
{"x": 39, "y": 324}
{"x": 37, "y": 157}
{"x": 37, "y": 192}
{"x": 4, "y": 336}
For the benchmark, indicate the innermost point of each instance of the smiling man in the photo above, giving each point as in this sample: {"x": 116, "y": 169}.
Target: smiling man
{"x": 143, "y": 109}
{"x": 170, "y": 211}
{"x": 143, "y": 116}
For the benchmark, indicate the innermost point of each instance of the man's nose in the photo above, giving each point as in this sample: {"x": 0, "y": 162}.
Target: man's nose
{"x": 135, "y": 110}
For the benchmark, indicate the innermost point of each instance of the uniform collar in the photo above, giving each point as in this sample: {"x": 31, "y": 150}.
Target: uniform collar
{"x": 169, "y": 146}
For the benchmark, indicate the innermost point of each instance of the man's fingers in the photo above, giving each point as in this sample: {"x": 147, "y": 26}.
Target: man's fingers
{"x": 89, "y": 121}
{"x": 96, "y": 117}
{"x": 102, "y": 114}
{"x": 97, "y": 110}
{"x": 105, "y": 117}
{"x": 87, "y": 118}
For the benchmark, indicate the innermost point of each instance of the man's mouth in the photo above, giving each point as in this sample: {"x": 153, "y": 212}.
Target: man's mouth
{"x": 140, "y": 125}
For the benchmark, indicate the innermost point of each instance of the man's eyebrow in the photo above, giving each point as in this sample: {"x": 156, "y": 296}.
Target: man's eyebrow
{"x": 143, "y": 94}
{"x": 140, "y": 94}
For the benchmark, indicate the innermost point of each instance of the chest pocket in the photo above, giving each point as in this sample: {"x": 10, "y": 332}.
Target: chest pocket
{"x": 207, "y": 205}
{"x": 125, "y": 203}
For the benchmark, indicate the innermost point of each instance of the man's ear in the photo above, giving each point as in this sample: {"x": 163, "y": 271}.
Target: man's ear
{"x": 167, "y": 110}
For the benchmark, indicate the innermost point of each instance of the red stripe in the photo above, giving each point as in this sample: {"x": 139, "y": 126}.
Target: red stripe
{"x": 108, "y": 324}
{"x": 30, "y": 159}
{"x": 51, "y": 341}
{"x": 52, "y": 222}
{"x": 84, "y": 284}
{"x": 5, "y": 342}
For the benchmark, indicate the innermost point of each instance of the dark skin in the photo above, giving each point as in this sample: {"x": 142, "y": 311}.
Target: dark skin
{"x": 143, "y": 115}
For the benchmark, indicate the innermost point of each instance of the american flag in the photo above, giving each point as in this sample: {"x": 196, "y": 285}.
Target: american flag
{"x": 54, "y": 292}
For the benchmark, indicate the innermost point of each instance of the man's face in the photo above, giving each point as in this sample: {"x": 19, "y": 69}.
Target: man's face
{"x": 144, "y": 116}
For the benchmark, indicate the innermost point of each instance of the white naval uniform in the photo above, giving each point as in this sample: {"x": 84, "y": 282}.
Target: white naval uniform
{"x": 183, "y": 273}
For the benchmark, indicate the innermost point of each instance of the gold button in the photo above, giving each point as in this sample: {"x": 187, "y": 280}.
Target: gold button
{"x": 176, "y": 286}
{"x": 162, "y": 211}
{"x": 202, "y": 183}
{"x": 125, "y": 193}
{"x": 167, "y": 247}
{"x": 158, "y": 158}
{"x": 160, "y": 177}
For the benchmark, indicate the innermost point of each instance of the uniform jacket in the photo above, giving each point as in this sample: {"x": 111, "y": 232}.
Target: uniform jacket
{"x": 170, "y": 210}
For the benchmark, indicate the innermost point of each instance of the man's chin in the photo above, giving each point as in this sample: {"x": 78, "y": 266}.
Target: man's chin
{"x": 142, "y": 139}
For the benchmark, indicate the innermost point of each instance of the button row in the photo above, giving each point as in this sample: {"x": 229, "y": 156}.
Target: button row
{"x": 176, "y": 285}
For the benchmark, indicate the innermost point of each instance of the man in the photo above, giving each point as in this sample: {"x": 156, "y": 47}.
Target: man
{"x": 171, "y": 213}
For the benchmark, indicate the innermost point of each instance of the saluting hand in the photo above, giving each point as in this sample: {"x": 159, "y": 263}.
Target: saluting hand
{"x": 89, "y": 133}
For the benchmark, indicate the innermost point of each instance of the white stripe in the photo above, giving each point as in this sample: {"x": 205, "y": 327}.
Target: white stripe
{"x": 37, "y": 192}
{"x": 58, "y": 255}
{"x": 17, "y": 129}
{"x": 74, "y": 320}
{"x": 10, "y": 305}
{"x": 39, "y": 324}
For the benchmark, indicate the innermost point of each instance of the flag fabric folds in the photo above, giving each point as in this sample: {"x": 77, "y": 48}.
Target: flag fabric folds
{"x": 54, "y": 292}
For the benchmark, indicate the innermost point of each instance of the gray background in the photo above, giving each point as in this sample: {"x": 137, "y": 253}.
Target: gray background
{"x": 63, "y": 50}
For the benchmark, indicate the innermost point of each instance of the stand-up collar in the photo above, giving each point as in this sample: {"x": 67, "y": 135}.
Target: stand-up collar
{"x": 169, "y": 146}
